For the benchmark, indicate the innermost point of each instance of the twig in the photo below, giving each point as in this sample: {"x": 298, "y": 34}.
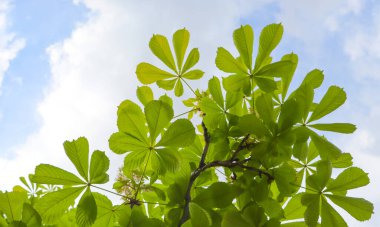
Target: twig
{"x": 206, "y": 136}
{"x": 240, "y": 147}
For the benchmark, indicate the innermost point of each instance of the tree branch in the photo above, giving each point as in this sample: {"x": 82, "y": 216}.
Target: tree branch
{"x": 240, "y": 147}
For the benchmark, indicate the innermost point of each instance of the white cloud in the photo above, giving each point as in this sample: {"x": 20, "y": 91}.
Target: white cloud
{"x": 10, "y": 45}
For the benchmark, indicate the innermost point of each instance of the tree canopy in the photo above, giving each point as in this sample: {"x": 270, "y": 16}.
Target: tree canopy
{"x": 248, "y": 152}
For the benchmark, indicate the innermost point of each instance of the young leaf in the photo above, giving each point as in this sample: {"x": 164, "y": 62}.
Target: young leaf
{"x": 165, "y": 159}
{"x": 180, "y": 41}
{"x": 216, "y": 91}
{"x": 131, "y": 120}
{"x": 144, "y": 94}
{"x": 48, "y": 174}
{"x": 269, "y": 38}
{"x": 178, "y": 89}
{"x": 77, "y": 150}
{"x": 335, "y": 127}
{"x": 218, "y": 195}
{"x": 107, "y": 215}
{"x": 326, "y": 149}
{"x": 294, "y": 208}
{"x": 251, "y": 124}
{"x": 158, "y": 115}
{"x": 329, "y": 216}
{"x": 235, "y": 83}
{"x": 277, "y": 69}
{"x": 311, "y": 201}
{"x": 98, "y": 168}
{"x": 191, "y": 60}
{"x": 264, "y": 107}
{"x": 30, "y": 216}
{"x": 199, "y": 216}
{"x": 121, "y": 143}
{"x": 167, "y": 84}
{"x": 314, "y": 78}
{"x": 159, "y": 45}
{"x": 147, "y": 73}
{"x": 193, "y": 74}
{"x": 289, "y": 115}
{"x": 319, "y": 180}
{"x": 358, "y": 208}
{"x": 287, "y": 77}
{"x": 243, "y": 40}
{"x": 350, "y": 178}
{"x": 285, "y": 177}
{"x": 227, "y": 63}
{"x": 54, "y": 204}
{"x": 265, "y": 84}
{"x": 136, "y": 159}
{"x": 180, "y": 133}
{"x": 11, "y": 204}
{"x": 334, "y": 98}
{"x": 86, "y": 210}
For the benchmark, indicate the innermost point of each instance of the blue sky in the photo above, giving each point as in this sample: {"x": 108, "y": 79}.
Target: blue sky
{"x": 68, "y": 64}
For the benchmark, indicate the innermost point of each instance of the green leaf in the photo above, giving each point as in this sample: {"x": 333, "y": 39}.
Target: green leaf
{"x": 178, "y": 89}
{"x": 147, "y": 73}
{"x": 77, "y": 151}
{"x": 135, "y": 159}
{"x": 227, "y": 63}
{"x": 311, "y": 201}
{"x": 304, "y": 96}
{"x": 54, "y": 204}
{"x": 121, "y": 143}
{"x": 269, "y": 38}
{"x": 343, "y": 161}
{"x": 289, "y": 115}
{"x": 326, "y": 149}
{"x": 165, "y": 159}
{"x": 243, "y": 40}
{"x": 159, "y": 45}
{"x": 131, "y": 120}
{"x": 272, "y": 208}
{"x": 158, "y": 115}
{"x": 335, "y": 127}
{"x": 358, "y": 208}
{"x": 30, "y": 216}
{"x": 277, "y": 69}
{"x": 264, "y": 106}
{"x": 86, "y": 210}
{"x": 319, "y": 180}
{"x": 107, "y": 215}
{"x": 199, "y": 216}
{"x": 265, "y": 84}
{"x": 330, "y": 217}
{"x": 285, "y": 177}
{"x": 287, "y": 77}
{"x": 48, "y": 174}
{"x": 314, "y": 78}
{"x": 191, "y": 60}
{"x": 144, "y": 94}
{"x": 180, "y": 42}
{"x": 193, "y": 74}
{"x": 251, "y": 124}
{"x": 11, "y": 204}
{"x": 233, "y": 218}
{"x": 218, "y": 195}
{"x": 235, "y": 83}
{"x": 334, "y": 98}
{"x": 350, "y": 178}
{"x": 180, "y": 133}
{"x": 216, "y": 91}
{"x": 167, "y": 84}
{"x": 294, "y": 208}
{"x": 98, "y": 168}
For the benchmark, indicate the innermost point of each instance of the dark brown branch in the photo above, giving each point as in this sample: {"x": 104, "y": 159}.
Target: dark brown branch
{"x": 207, "y": 138}
{"x": 241, "y": 146}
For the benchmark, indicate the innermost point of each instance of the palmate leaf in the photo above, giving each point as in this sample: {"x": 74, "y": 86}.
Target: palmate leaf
{"x": 147, "y": 73}
{"x": 285, "y": 178}
{"x": 158, "y": 115}
{"x": 180, "y": 42}
{"x": 334, "y": 98}
{"x": 350, "y": 178}
{"x": 131, "y": 120}
{"x": 107, "y": 214}
{"x": 314, "y": 78}
{"x": 216, "y": 91}
{"x": 54, "y": 204}
{"x": 252, "y": 125}
{"x": 77, "y": 151}
{"x": 48, "y": 174}
{"x": 243, "y": 40}
{"x": 265, "y": 84}
{"x": 165, "y": 159}
{"x": 294, "y": 208}
{"x": 276, "y": 69}
{"x": 217, "y": 195}
{"x": 180, "y": 133}
{"x": 11, "y": 204}
{"x": 144, "y": 94}
{"x": 227, "y": 63}
{"x": 236, "y": 82}
{"x": 311, "y": 215}
{"x": 86, "y": 209}
{"x": 326, "y": 149}
{"x": 159, "y": 45}
{"x": 358, "y": 208}
{"x": 98, "y": 168}
{"x": 199, "y": 216}
{"x": 191, "y": 60}
{"x": 30, "y": 216}
{"x": 329, "y": 216}
{"x": 287, "y": 77}
{"x": 319, "y": 180}
{"x": 178, "y": 89}
{"x": 193, "y": 74}
{"x": 335, "y": 127}
{"x": 233, "y": 218}
{"x": 269, "y": 38}
{"x": 121, "y": 143}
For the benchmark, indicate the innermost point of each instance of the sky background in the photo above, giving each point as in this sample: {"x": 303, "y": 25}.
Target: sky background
{"x": 66, "y": 65}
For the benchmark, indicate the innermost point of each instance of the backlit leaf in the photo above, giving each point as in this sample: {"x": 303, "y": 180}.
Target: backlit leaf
{"x": 180, "y": 133}
{"x": 147, "y": 73}
{"x": 180, "y": 42}
{"x": 11, "y": 204}
{"x": 48, "y": 174}
{"x": 191, "y": 60}
{"x": 77, "y": 150}
{"x": 86, "y": 210}
{"x": 159, "y": 45}
{"x": 243, "y": 40}
{"x": 350, "y": 178}
{"x": 335, "y": 127}
{"x": 144, "y": 94}
{"x": 227, "y": 63}
{"x": 98, "y": 168}
{"x": 358, "y": 208}
{"x": 158, "y": 115}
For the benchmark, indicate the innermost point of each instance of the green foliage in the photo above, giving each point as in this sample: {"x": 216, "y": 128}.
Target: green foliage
{"x": 254, "y": 157}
